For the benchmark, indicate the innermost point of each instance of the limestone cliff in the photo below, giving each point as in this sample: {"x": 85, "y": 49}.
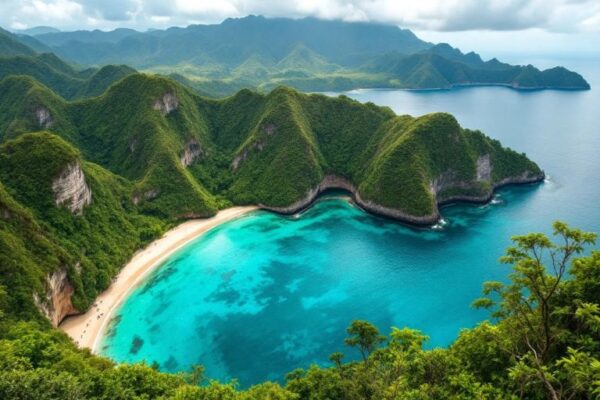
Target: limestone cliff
{"x": 56, "y": 302}
{"x": 444, "y": 182}
{"x": 191, "y": 152}
{"x": 44, "y": 117}
{"x": 166, "y": 104}
{"x": 479, "y": 190}
{"x": 70, "y": 189}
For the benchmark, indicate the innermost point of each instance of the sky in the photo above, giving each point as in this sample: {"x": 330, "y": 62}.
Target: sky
{"x": 486, "y": 26}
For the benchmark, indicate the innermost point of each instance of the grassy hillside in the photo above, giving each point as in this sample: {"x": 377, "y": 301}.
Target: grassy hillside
{"x": 24, "y": 55}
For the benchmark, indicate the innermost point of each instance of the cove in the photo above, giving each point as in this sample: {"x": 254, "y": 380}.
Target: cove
{"x": 264, "y": 294}
{"x": 259, "y": 296}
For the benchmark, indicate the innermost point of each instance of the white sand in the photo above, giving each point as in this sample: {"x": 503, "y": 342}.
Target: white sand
{"x": 87, "y": 329}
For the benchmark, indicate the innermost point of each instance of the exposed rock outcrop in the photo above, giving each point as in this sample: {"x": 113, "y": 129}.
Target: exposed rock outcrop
{"x": 338, "y": 182}
{"x": 483, "y": 175}
{"x": 147, "y": 195}
{"x": 191, "y": 152}
{"x": 484, "y": 168}
{"x": 56, "y": 304}
{"x": 71, "y": 189}
{"x": 44, "y": 117}
{"x": 445, "y": 181}
{"x": 166, "y": 104}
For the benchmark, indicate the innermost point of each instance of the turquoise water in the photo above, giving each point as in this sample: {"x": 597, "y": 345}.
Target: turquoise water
{"x": 259, "y": 296}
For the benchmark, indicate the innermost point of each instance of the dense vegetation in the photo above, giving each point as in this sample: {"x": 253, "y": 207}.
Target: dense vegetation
{"x": 259, "y": 149}
{"x": 307, "y": 54}
{"x": 18, "y": 59}
{"x": 543, "y": 344}
{"x": 38, "y": 238}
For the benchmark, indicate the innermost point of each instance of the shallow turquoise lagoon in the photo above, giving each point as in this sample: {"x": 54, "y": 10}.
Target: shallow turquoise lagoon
{"x": 259, "y": 296}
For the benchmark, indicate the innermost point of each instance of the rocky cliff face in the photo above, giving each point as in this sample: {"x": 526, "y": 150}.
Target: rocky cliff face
{"x": 44, "y": 118}
{"x": 191, "y": 152}
{"x": 71, "y": 189}
{"x": 445, "y": 181}
{"x": 328, "y": 182}
{"x": 56, "y": 303}
{"x": 166, "y": 104}
{"x": 484, "y": 168}
{"x": 479, "y": 193}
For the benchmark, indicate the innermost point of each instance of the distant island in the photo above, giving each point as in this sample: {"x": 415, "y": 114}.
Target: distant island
{"x": 307, "y": 54}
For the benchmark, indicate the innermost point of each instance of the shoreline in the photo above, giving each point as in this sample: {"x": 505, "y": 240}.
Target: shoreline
{"x": 87, "y": 328}
{"x": 340, "y": 183}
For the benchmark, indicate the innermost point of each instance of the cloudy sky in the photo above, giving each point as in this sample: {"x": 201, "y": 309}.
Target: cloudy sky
{"x": 495, "y": 25}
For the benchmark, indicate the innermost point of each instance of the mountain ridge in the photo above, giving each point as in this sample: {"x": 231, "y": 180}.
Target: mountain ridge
{"x": 220, "y": 59}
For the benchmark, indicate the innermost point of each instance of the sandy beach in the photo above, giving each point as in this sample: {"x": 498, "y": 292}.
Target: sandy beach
{"x": 86, "y": 329}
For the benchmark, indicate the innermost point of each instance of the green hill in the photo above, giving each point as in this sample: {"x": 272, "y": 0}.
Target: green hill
{"x": 61, "y": 77}
{"x": 10, "y": 47}
{"x": 51, "y": 238}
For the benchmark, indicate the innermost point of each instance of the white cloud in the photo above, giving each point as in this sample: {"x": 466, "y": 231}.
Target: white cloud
{"x": 430, "y": 15}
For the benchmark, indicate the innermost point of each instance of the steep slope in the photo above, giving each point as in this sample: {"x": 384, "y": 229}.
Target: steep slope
{"x": 66, "y": 224}
{"x": 431, "y": 160}
{"x": 61, "y": 77}
{"x": 28, "y": 106}
{"x": 10, "y": 47}
{"x": 189, "y": 155}
{"x": 279, "y": 159}
{"x": 149, "y": 129}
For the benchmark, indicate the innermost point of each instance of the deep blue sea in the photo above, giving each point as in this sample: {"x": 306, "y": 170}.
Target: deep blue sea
{"x": 262, "y": 295}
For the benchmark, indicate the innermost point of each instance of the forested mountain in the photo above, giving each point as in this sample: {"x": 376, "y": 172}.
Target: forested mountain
{"x": 233, "y": 41}
{"x": 307, "y": 54}
{"x": 186, "y": 151}
{"x": 10, "y": 46}
{"x": 69, "y": 82}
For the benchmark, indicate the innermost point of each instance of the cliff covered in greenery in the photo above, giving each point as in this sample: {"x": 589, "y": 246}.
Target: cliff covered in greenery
{"x": 17, "y": 58}
{"x": 189, "y": 156}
